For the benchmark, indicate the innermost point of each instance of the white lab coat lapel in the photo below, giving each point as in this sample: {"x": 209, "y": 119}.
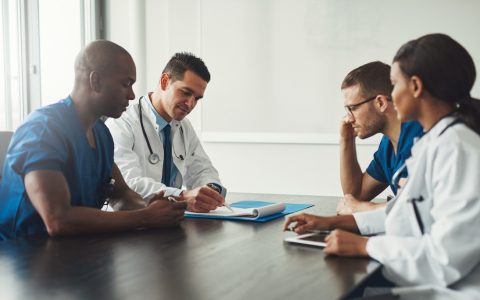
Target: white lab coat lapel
{"x": 417, "y": 187}
{"x": 151, "y": 130}
{"x": 179, "y": 150}
{"x": 446, "y": 253}
{"x": 131, "y": 151}
{"x": 178, "y": 142}
{"x": 401, "y": 219}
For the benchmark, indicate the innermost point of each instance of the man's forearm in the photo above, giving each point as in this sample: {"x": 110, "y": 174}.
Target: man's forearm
{"x": 77, "y": 220}
{"x": 128, "y": 201}
{"x": 350, "y": 172}
{"x": 346, "y": 222}
{"x": 124, "y": 198}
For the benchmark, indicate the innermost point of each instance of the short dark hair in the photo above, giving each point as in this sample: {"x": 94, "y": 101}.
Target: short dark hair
{"x": 447, "y": 72}
{"x": 373, "y": 78}
{"x": 184, "y": 61}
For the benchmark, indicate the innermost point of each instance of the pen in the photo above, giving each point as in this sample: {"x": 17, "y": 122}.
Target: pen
{"x": 172, "y": 199}
{"x": 228, "y": 206}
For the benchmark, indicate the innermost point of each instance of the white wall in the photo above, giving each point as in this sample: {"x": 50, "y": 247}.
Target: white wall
{"x": 270, "y": 114}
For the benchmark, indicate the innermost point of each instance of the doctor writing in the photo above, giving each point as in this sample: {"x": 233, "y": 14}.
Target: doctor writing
{"x": 429, "y": 249}
{"x": 156, "y": 147}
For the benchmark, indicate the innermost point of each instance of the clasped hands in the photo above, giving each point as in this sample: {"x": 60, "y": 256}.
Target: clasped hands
{"x": 200, "y": 199}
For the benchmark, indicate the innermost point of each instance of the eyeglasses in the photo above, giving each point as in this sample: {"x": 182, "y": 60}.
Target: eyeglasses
{"x": 350, "y": 108}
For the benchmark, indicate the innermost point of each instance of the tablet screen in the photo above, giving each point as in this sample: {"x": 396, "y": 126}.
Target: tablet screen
{"x": 312, "y": 239}
{"x": 320, "y": 237}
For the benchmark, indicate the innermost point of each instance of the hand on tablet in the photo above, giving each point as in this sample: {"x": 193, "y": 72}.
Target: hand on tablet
{"x": 305, "y": 222}
{"x": 344, "y": 243}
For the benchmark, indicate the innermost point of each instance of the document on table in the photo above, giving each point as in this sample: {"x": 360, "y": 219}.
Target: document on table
{"x": 251, "y": 210}
{"x": 254, "y": 213}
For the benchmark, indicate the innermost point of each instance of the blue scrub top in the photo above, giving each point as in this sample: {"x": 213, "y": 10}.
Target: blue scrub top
{"x": 52, "y": 138}
{"x": 385, "y": 163}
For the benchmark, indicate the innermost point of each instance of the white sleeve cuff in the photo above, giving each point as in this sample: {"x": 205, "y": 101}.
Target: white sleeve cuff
{"x": 170, "y": 191}
{"x": 374, "y": 248}
{"x": 371, "y": 222}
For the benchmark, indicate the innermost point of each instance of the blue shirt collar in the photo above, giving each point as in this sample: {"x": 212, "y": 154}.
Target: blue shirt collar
{"x": 161, "y": 122}
{"x": 409, "y": 131}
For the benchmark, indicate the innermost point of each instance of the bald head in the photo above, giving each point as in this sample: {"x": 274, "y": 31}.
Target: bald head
{"x": 104, "y": 75}
{"x": 101, "y": 56}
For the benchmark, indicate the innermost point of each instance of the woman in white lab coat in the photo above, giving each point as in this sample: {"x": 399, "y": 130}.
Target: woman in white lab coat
{"x": 430, "y": 248}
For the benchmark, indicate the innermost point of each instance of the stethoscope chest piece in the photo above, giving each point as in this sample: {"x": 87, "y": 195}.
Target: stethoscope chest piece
{"x": 153, "y": 158}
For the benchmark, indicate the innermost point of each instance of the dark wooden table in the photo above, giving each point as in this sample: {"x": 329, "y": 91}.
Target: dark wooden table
{"x": 202, "y": 259}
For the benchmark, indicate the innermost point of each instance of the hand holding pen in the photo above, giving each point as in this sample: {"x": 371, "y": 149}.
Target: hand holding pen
{"x": 202, "y": 199}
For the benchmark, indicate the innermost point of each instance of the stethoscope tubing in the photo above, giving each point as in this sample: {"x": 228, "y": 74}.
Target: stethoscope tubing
{"x": 153, "y": 157}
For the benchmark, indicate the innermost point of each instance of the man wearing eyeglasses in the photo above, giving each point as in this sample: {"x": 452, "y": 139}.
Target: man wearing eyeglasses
{"x": 366, "y": 93}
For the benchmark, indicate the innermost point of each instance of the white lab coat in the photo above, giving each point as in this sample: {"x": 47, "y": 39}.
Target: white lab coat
{"x": 444, "y": 261}
{"x": 131, "y": 152}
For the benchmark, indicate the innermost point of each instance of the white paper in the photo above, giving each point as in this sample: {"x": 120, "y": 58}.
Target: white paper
{"x": 254, "y": 213}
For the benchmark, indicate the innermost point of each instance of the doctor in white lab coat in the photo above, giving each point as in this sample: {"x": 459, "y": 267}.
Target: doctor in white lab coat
{"x": 430, "y": 247}
{"x": 139, "y": 139}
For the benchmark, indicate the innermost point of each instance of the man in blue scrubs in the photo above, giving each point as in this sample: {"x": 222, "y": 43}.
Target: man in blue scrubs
{"x": 366, "y": 92}
{"x": 59, "y": 168}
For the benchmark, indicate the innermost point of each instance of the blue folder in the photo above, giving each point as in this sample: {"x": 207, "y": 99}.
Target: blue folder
{"x": 289, "y": 208}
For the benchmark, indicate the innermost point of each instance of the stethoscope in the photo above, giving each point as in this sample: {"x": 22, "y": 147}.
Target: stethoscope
{"x": 154, "y": 158}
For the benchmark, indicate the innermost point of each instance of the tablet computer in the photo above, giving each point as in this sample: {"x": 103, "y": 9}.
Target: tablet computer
{"x": 313, "y": 239}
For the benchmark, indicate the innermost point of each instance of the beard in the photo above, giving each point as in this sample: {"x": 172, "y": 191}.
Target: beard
{"x": 371, "y": 127}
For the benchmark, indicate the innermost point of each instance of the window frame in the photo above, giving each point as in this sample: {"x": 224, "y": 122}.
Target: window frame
{"x": 92, "y": 28}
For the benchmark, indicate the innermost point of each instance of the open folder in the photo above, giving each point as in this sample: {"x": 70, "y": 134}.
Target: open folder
{"x": 257, "y": 211}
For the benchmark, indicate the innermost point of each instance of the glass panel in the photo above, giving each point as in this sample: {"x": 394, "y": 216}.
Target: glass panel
{"x": 10, "y": 85}
{"x": 3, "y": 121}
{"x": 60, "y": 41}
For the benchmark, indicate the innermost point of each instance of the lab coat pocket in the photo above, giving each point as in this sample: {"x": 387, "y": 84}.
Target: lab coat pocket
{"x": 180, "y": 164}
{"x": 416, "y": 213}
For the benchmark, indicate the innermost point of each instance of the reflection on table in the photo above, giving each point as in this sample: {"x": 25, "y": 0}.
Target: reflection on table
{"x": 201, "y": 259}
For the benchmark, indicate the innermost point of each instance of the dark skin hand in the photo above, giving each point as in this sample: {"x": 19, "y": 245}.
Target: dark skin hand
{"x": 340, "y": 242}
{"x": 304, "y": 223}
{"x": 49, "y": 193}
{"x": 344, "y": 243}
{"x": 104, "y": 75}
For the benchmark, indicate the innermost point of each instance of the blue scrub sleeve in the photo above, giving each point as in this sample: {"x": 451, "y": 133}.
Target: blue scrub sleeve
{"x": 375, "y": 169}
{"x": 38, "y": 147}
